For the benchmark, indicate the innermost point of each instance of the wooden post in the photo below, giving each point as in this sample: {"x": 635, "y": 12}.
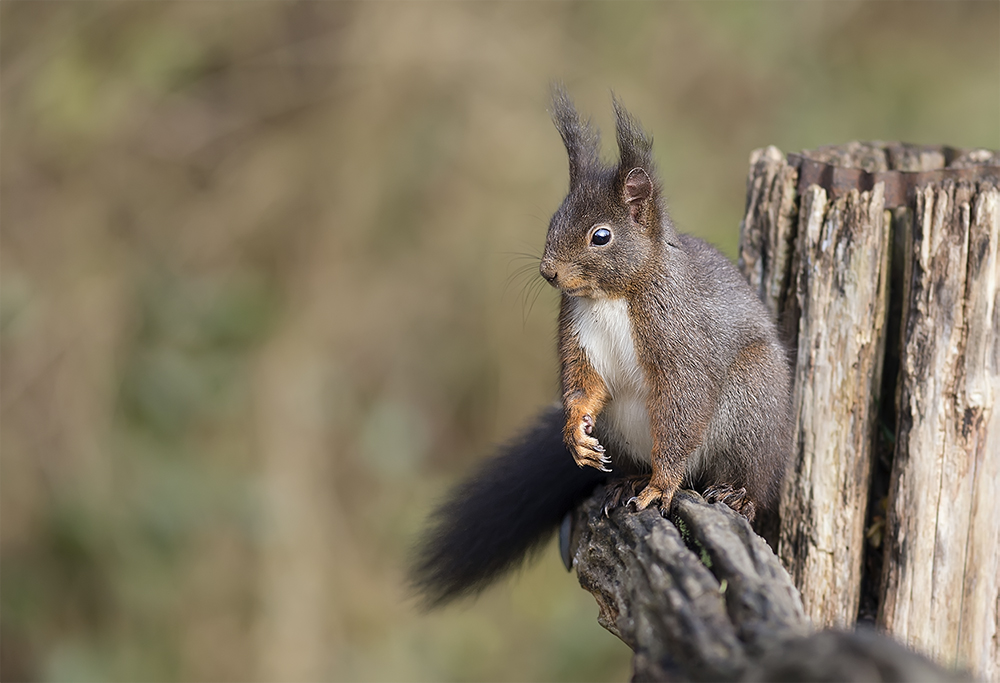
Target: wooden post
{"x": 873, "y": 257}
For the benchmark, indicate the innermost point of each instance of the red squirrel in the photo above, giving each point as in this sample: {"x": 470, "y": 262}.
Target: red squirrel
{"x": 671, "y": 370}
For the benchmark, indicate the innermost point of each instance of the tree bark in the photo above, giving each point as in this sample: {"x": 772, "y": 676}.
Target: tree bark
{"x": 880, "y": 263}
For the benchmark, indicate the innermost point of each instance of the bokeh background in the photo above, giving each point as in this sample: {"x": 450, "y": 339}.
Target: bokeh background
{"x": 261, "y": 297}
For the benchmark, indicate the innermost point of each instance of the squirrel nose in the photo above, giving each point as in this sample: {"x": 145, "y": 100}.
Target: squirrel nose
{"x": 548, "y": 272}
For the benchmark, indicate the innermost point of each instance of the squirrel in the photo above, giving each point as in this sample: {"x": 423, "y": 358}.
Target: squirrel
{"x": 671, "y": 370}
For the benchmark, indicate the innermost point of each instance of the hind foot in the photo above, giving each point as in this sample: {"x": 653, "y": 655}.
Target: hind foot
{"x": 736, "y": 499}
{"x": 618, "y": 492}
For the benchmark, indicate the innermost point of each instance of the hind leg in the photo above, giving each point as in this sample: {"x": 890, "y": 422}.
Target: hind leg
{"x": 737, "y": 499}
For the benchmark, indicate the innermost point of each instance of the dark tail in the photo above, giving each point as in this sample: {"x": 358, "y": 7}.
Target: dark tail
{"x": 500, "y": 514}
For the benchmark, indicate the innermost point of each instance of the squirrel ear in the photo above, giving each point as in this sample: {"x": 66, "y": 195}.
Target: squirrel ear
{"x": 637, "y": 189}
{"x": 638, "y": 186}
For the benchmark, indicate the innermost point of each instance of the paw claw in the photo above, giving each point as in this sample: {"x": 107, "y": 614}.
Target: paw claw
{"x": 586, "y": 450}
{"x": 618, "y": 490}
{"x": 735, "y": 499}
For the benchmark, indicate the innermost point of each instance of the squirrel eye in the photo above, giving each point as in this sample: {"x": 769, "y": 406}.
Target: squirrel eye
{"x": 600, "y": 237}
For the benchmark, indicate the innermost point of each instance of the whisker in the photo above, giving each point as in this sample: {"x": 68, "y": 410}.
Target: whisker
{"x": 521, "y": 255}
{"x": 538, "y": 291}
{"x": 531, "y": 282}
{"x": 522, "y": 270}
{"x": 526, "y": 291}
{"x": 530, "y": 296}
{"x": 525, "y": 268}
{"x": 519, "y": 274}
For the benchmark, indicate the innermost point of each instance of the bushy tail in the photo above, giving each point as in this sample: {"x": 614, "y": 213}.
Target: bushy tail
{"x": 499, "y": 515}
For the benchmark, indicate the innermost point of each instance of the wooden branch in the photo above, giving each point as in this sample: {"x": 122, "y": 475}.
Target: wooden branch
{"x": 703, "y": 598}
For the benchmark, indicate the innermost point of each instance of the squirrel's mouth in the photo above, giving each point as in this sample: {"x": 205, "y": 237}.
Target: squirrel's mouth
{"x": 569, "y": 282}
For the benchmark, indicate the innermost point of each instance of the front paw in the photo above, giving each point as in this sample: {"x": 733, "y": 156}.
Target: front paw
{"x": 587, "y": 451}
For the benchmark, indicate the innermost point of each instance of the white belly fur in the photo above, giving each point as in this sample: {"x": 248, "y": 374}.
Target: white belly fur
{"x": 605, "y": 333}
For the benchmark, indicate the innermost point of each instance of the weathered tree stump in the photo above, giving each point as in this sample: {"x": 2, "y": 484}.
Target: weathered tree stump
{"x": 880, "y": 263}
{"x": 939, "y": 590}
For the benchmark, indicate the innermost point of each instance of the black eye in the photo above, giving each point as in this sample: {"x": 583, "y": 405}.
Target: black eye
{"x": 600, "y": 237}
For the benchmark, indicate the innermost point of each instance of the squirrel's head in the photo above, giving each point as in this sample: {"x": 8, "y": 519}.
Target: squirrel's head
{"x": 611, "y": 225}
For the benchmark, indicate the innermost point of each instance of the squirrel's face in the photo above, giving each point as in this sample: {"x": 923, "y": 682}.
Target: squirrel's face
{"x": 610, "y": 226}
{"x": 600, "y": 241}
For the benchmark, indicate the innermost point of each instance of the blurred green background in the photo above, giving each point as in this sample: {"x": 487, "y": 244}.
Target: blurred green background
{"x": 261, "y": 303}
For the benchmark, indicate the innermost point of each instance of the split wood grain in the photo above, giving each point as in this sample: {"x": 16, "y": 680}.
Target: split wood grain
{"x": 767, "y": 234}
{"x": 842, "y": 293}
{"x": 941, "y": 577}
{"x": 821, "y": 267}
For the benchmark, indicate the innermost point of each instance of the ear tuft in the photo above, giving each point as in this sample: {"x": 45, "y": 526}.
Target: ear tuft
{"x": 634, "y": 147}
{"x": 635, "y": 167}
{"x": 581, "y": 140}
